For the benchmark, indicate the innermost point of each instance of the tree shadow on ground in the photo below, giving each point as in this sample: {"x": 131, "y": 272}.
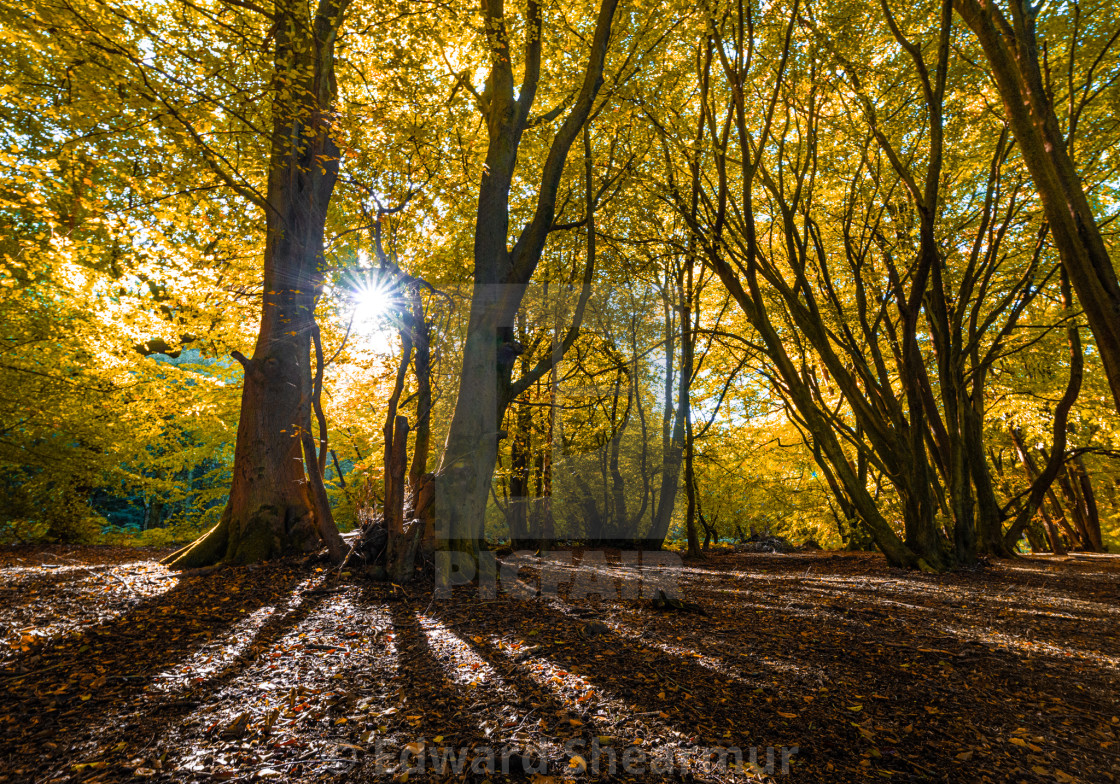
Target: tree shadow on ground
{"x": 83, "y": 692}
{"x": 844, "y": 675}
{"x": 437, "y": 697}
{"x": 619, "y": 687}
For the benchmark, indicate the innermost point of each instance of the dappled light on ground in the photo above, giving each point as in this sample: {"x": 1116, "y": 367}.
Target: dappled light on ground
{"x": 213, "y": 656}
{"x": 284, "y": 672}
{"x": 45, "y": 595}
{"x": 464, "y": 666}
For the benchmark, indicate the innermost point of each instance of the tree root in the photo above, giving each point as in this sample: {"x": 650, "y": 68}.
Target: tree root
{"x": 207, "y": 550}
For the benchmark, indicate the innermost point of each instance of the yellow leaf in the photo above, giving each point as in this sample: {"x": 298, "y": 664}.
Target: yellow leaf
{"x": 87, "y": 766}
{"x": 577, "y": 764}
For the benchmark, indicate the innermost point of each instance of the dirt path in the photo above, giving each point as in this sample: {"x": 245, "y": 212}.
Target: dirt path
{"x": 114, "y": 669}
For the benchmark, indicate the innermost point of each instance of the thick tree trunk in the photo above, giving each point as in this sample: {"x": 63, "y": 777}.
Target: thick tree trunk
{"x": 471, "y": 450}
{"x": 269, "y": 509}
{"x": 274, "y": 509}
{"x": 394, "y": 475}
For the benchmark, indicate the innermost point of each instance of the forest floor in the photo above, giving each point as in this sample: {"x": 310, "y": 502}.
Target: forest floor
{"x": 114, "y": 669}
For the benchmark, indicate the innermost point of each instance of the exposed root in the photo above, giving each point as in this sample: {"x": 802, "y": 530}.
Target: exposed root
{"x": 207, "y": 550}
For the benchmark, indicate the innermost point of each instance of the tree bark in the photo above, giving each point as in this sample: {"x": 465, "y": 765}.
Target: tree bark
{"x": 395, "y": 473}
{"x": 690, "y": 493}
{"x": 1089, "y": 498}
{"x": 391, "y": 431}
{"x": 501, "y": 274}
{"x": 274, "y": 508}
{"x": 1011, "y": 49}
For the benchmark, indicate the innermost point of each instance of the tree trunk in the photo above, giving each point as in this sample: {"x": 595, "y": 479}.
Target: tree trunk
{"x": 671, "y": 463}
{"x": 543, "y": 523}
{"x": 1076, "y": 508}
{"x": 269, "y": 509}
{"x": 501, "y": 273}
{"x": 989, "y": 516}
{"x": 396, "y": 451}
{"x": 274, "y": 509}
{"x": 619, "y": 517}
{"x": 394, "y": 473}
{"x": 1040, "y": 491}
{"x": 1052, "y": 533}
{"x": 1036, "y": 537}
{"x": 1041, "y": 480}
{"x": 1012, "y": 52}
{"x": 1092, "y": 512}
{"x": 422, "y": 364}
{"x": 690, "y": 493}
